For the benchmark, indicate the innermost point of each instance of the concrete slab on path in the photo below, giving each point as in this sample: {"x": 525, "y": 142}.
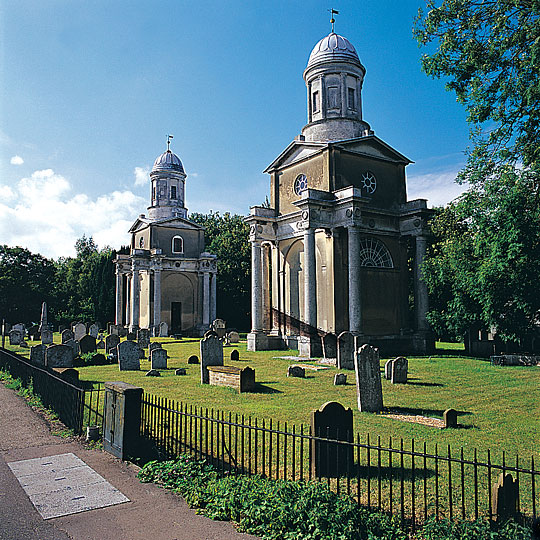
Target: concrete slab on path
{"x": 64, "y": 484}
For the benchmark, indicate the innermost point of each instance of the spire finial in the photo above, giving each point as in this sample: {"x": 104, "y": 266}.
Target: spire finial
{"x": 169, "y": 137}
{"x": 332, "y": 20}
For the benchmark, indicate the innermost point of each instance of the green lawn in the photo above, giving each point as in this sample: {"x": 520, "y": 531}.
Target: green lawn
{"x": 499, "y": 406}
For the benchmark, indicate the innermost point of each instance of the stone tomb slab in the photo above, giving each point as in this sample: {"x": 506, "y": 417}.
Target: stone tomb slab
{"x": 63, "y": 484}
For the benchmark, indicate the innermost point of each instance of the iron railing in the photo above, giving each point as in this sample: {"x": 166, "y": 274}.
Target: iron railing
{"x": 405, "y": 478}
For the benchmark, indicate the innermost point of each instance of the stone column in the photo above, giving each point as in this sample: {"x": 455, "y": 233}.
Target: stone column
{"x": 421, "y": 291}
{"x": 310, "y": 284}
{"x": 355, "y": 291}
{"x": 344, "y": 96}
{"x": 128, "y": 300}
{"x": 213, "y": 297}
{"x": 309, "y": 103}
{"x": 256, "y": 289}
{"x": 266, "y": 287}
{"x": 323, "y": 97}
{"x": 157, "y": 296}
{"x": 135, "y": 300}
{"x": 206, "y": 299}
{"x": 119, "y": 297}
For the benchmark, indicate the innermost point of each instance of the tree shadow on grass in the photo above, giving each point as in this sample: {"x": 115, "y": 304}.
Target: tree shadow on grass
{"x": 262, "y": 388}
{"x": 417, "y": 382}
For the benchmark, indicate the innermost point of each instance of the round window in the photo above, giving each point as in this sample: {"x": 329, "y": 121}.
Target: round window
{"x": 300, "y": 184}
{"x": 369, "y": 182}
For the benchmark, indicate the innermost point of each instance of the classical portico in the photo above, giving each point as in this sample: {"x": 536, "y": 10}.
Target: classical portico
{"x": 331, "y": 253}
{"x": 167, "y": 276}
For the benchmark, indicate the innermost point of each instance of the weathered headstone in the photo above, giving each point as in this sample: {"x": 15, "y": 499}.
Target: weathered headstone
{"x": 180, "y": 371}
{"x": 345, "y": 351}
{"x": 388, "y": 369}
{"x": 152, "y": 373}
{"x": 131, "y": 336}
{"x": 67, "y": 335}
{"x": 143, "y": 338}
{"x": 235, "y": 355}
{"x": 331, "y": 459}
{"x": 296, "y": 371}
{"x": 79, "y": 331}
{"x": 128, "y": 356}
{"x": 399, "y": 370}
{"x": 93, "y": 330}
{"x": 340, "y": 379}
{"x": 193, "y": 359}
{"x": 163, "y": 329}
{"x": 218, "y": 326}
{"x": 122, "y": 331}
{"x": 43, "y": 325}
{"x": 505, "y": 498}
{"x": 59, "y": 356}
{"x": 368, "y": 379}
{"x": 211, "y": 355}
{"x": 46, "y": 336}
{"x": 329, "y": 343}
{"x": 74, "y": 345}
{"x": 154, "y": 345}
{"x": 15, "y": 337}
{"x": 158, "y": 359}
{"x": 210, "y": 333}
{"x": 111, "y": 342}
{"x": 450, "y": 418}
{"x": 234, "y": 337}
{"x": 33, "y": 332}
{"x": 100, "y": 344}
{"x": 20, "y": 327}
{"x": 113, "y": 329}
{"x": 87, "y": 344}
{"x": 37, "y": 354}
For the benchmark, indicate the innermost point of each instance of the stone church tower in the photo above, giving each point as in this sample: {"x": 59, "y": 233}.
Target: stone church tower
{"x": 167, "y": 277}
{"x": 331, "y": 254}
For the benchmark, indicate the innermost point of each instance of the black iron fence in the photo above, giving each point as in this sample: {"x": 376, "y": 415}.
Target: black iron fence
{"x": 404, "y": 478}
{"x": 76, "y": 407}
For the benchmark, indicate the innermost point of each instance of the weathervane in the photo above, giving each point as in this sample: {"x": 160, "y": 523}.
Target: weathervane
{"x": 169, "y": 137}
{"x": 332, "y": 20}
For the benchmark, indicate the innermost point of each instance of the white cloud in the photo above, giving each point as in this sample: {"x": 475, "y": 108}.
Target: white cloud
{"x": 17, "y": 160}
{"x": 141, "y": 175}
{"x": 42, "y": 213}
{"x": 438, "y": 188}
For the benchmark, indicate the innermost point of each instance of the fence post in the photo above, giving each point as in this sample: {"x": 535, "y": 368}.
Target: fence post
{"x": 122, "y": 419}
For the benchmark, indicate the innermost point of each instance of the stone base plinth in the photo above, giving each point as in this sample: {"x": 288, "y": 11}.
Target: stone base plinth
{"x": 310, "y": 346}
{"x": 259, "y": 341}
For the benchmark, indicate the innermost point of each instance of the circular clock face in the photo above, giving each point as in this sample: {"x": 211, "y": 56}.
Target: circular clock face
{"x": 369, "y": 182}
{"x": 300, "y": 184}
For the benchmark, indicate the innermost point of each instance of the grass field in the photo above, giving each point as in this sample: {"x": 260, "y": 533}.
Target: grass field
{"x": 499, "y": 407}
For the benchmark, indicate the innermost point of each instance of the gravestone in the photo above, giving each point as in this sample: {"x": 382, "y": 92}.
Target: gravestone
{"x": 450, "y": 418}
{"x": 152, "y": 373}
{"x": 128, "y": 354}
{"x": 329, "y": 343}
{"x": 143, "y": 338}
{"x": 20, "y": 327}
{"x": 122, "y": 331}
{"x": 100, "y": 344}
{"x": 296, "y": 371}
{"x": 399, "y": 370}
{"x": 79, "y": 331}
{"x": 33, "y": 332}
{"x": 331, "y": 459}
{"x": 368, "y": 379}
{"x": 131, "y": 336}
{"x": 43, "y": 325}
{"x": 211, "y": 355}
{"x": 87, "y": 344}
{"x": 113, "y": 329}
{"x": 111, "y": 342}
{"x": 74, "y": 345}
{"x": 163, "y": 329}
{"x": 345, "y": 351}
{"x": 193, "y": 359}
{"x": 234, "y": 337}
{"x": 340, "y": 379}
{"x": 67, "y": 335}
{"x": 153, "y": 346}
{"x": 388, "y": 369}
{"x": 24, "y": 344}
{"x": 180, "y": 371}
{"x": 37, "y": 355}
{"x": 210, "y": 333}
{"x": 504, "y": 498}
{"x": 158, "y": 359}
{"x": 235, "y": 355}
{"x": 218, "y": 326}
{"x": 93, "y": 330}
{"x": 241, "y": 379}
{"x": 59, "y": 356}
{"x": 46, "y": 336}
{"x": 15, "y": 337}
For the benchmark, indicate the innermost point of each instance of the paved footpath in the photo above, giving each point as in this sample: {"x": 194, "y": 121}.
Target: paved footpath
{"x": 152, "y": 513}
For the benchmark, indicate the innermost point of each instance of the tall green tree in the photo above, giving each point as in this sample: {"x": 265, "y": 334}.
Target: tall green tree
{"x": 227, "y": 236}
{"x": 489, "y": 53}
{"x": 484, "y": 266}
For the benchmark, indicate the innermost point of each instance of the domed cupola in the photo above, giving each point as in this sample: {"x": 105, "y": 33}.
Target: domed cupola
{"x": 168, "y": 186}
{"x": 334, "y": 76}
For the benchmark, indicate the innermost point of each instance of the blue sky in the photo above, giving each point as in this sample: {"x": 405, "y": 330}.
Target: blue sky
{"x": 91, "y": 89}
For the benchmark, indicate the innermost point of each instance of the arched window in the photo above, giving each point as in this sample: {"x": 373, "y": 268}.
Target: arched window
{"x": 178, "y": 244}
{"x": 373, "y": 253}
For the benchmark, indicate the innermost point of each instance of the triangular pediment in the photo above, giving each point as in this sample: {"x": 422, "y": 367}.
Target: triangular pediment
{"x": 374, "y": 147}
{"x": 296, "y": 151}
{"x": 172, "y": 223}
